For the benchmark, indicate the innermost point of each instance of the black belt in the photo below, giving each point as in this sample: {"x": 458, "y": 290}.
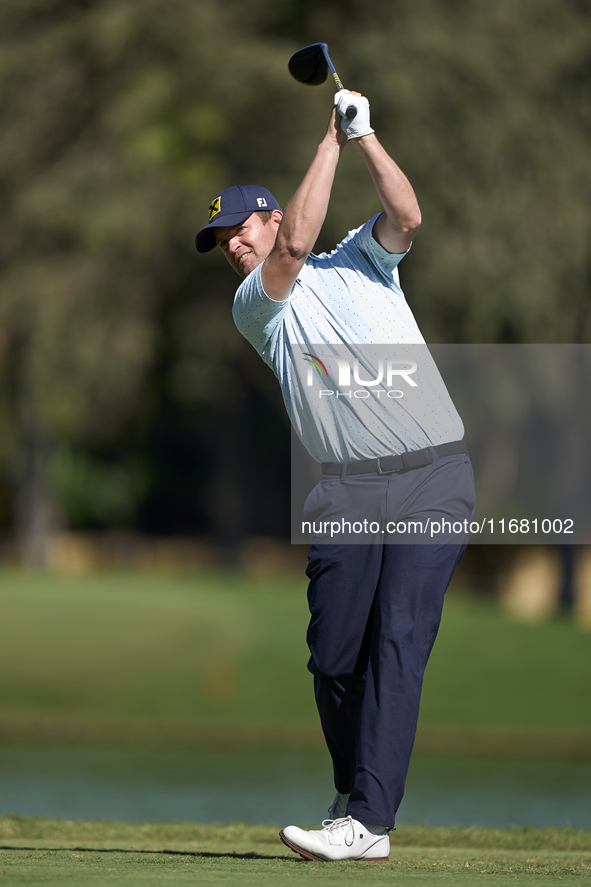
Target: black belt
{"x": 403, "y": 462}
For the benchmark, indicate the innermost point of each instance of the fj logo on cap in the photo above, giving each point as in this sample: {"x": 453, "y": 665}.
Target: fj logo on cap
{"x": 214, "y": 207}
{"x": 261, "y": 201}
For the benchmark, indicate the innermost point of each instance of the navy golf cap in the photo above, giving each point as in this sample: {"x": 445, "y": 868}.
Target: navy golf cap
{"x": 231, "y": 207}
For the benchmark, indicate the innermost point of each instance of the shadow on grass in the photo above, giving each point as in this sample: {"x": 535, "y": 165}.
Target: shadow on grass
{"x": 196, "y": 853}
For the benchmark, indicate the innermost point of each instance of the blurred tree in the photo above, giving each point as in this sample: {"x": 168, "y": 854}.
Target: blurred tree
{"x": 487, "y": 107}
{"x": 114, "y": 118}
{"x": 125, "y": 392}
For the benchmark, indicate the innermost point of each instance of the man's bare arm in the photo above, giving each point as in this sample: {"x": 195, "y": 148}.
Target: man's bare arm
{"x": 398, "y": 224}
{"x": 303, "y": 216}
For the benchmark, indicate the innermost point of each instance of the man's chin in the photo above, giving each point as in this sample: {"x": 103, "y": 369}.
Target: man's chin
{"x": 246, "y": 268}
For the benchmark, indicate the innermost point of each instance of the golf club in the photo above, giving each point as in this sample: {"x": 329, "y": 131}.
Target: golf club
{"x": 311, "y": 65}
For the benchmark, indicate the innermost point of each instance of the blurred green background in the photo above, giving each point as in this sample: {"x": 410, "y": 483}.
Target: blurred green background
{"x": 124, "y": 387}
{"x": 220, "y": 658}
{"x": 138, "y": 430}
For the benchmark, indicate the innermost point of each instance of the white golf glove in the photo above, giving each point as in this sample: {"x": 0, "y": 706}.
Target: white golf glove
{"x": 359, "y": 125}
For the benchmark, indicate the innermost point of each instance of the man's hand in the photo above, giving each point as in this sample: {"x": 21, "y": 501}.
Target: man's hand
{"x": 334, "y": 133}
{"x": 359, "y": 125}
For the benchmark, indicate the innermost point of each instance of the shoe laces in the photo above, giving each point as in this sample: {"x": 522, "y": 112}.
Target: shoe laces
{"x": 335, "y": 825}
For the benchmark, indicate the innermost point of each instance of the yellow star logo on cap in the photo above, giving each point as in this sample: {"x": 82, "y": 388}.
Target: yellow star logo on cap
{"x": 215, "y": 207}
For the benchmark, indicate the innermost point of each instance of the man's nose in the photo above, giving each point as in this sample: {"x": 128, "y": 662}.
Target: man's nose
{"x": 233, "y": 243}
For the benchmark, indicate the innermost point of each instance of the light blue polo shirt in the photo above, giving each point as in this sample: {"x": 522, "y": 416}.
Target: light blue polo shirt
{"x": 346, "y": 309}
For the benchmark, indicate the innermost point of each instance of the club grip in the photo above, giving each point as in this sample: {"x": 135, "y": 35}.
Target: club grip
{"x": 351, "y": 112}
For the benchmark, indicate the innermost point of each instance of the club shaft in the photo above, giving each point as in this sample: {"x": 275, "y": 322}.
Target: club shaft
{"x": 351, "y": 110}
{"x": 336, "y": 77}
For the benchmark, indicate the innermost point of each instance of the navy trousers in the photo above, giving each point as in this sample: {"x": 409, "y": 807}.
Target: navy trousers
{"x": 375, "y": 612}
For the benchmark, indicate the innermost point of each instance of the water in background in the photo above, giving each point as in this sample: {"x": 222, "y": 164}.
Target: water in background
{"x": 205, "y": 786}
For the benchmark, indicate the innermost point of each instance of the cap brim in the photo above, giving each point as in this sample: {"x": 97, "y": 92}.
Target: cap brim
{"x": 205, "y": 240}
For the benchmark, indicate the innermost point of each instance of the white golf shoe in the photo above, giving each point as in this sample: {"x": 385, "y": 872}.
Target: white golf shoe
{"x": 344, "y": 838}
{"x": 338, "y": 808}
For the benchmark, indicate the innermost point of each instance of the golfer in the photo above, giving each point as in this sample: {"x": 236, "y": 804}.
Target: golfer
{"x": 375, "y": 607}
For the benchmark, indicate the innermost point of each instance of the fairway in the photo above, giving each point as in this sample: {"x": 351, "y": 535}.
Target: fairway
{"x": 117, "y": 656}
{"x": 37, "y": 851}
{"x": 204, "y": 655}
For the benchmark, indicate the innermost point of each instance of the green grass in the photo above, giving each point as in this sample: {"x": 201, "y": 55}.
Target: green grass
{"x": 198, "y": 655}
{"x": 187, "y": 656}
{"x": 507, "y": 672}
{"x": 132, "y": 647}
{"x": 40, "y": 851}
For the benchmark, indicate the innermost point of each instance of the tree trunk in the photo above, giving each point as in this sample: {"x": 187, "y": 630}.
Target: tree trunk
{"x": 36, "y": 514}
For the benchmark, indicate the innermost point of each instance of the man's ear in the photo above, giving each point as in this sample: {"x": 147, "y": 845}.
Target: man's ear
{"x": 276, "y": 216}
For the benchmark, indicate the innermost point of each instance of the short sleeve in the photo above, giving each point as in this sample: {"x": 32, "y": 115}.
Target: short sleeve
{"x": 372, "y": 250}
{"x": 256, "y": 315}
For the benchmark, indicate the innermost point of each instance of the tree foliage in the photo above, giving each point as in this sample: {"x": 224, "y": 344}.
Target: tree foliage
{"x": 122, "y": 119}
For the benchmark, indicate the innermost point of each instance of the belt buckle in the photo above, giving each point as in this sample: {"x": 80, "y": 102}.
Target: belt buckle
{"x": 391, "y": 471}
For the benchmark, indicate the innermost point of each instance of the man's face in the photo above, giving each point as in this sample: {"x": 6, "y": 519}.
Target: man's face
{"x": 248, "y": 244}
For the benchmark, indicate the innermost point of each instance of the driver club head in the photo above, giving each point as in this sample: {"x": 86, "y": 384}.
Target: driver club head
{"x": 309, "y": 65}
